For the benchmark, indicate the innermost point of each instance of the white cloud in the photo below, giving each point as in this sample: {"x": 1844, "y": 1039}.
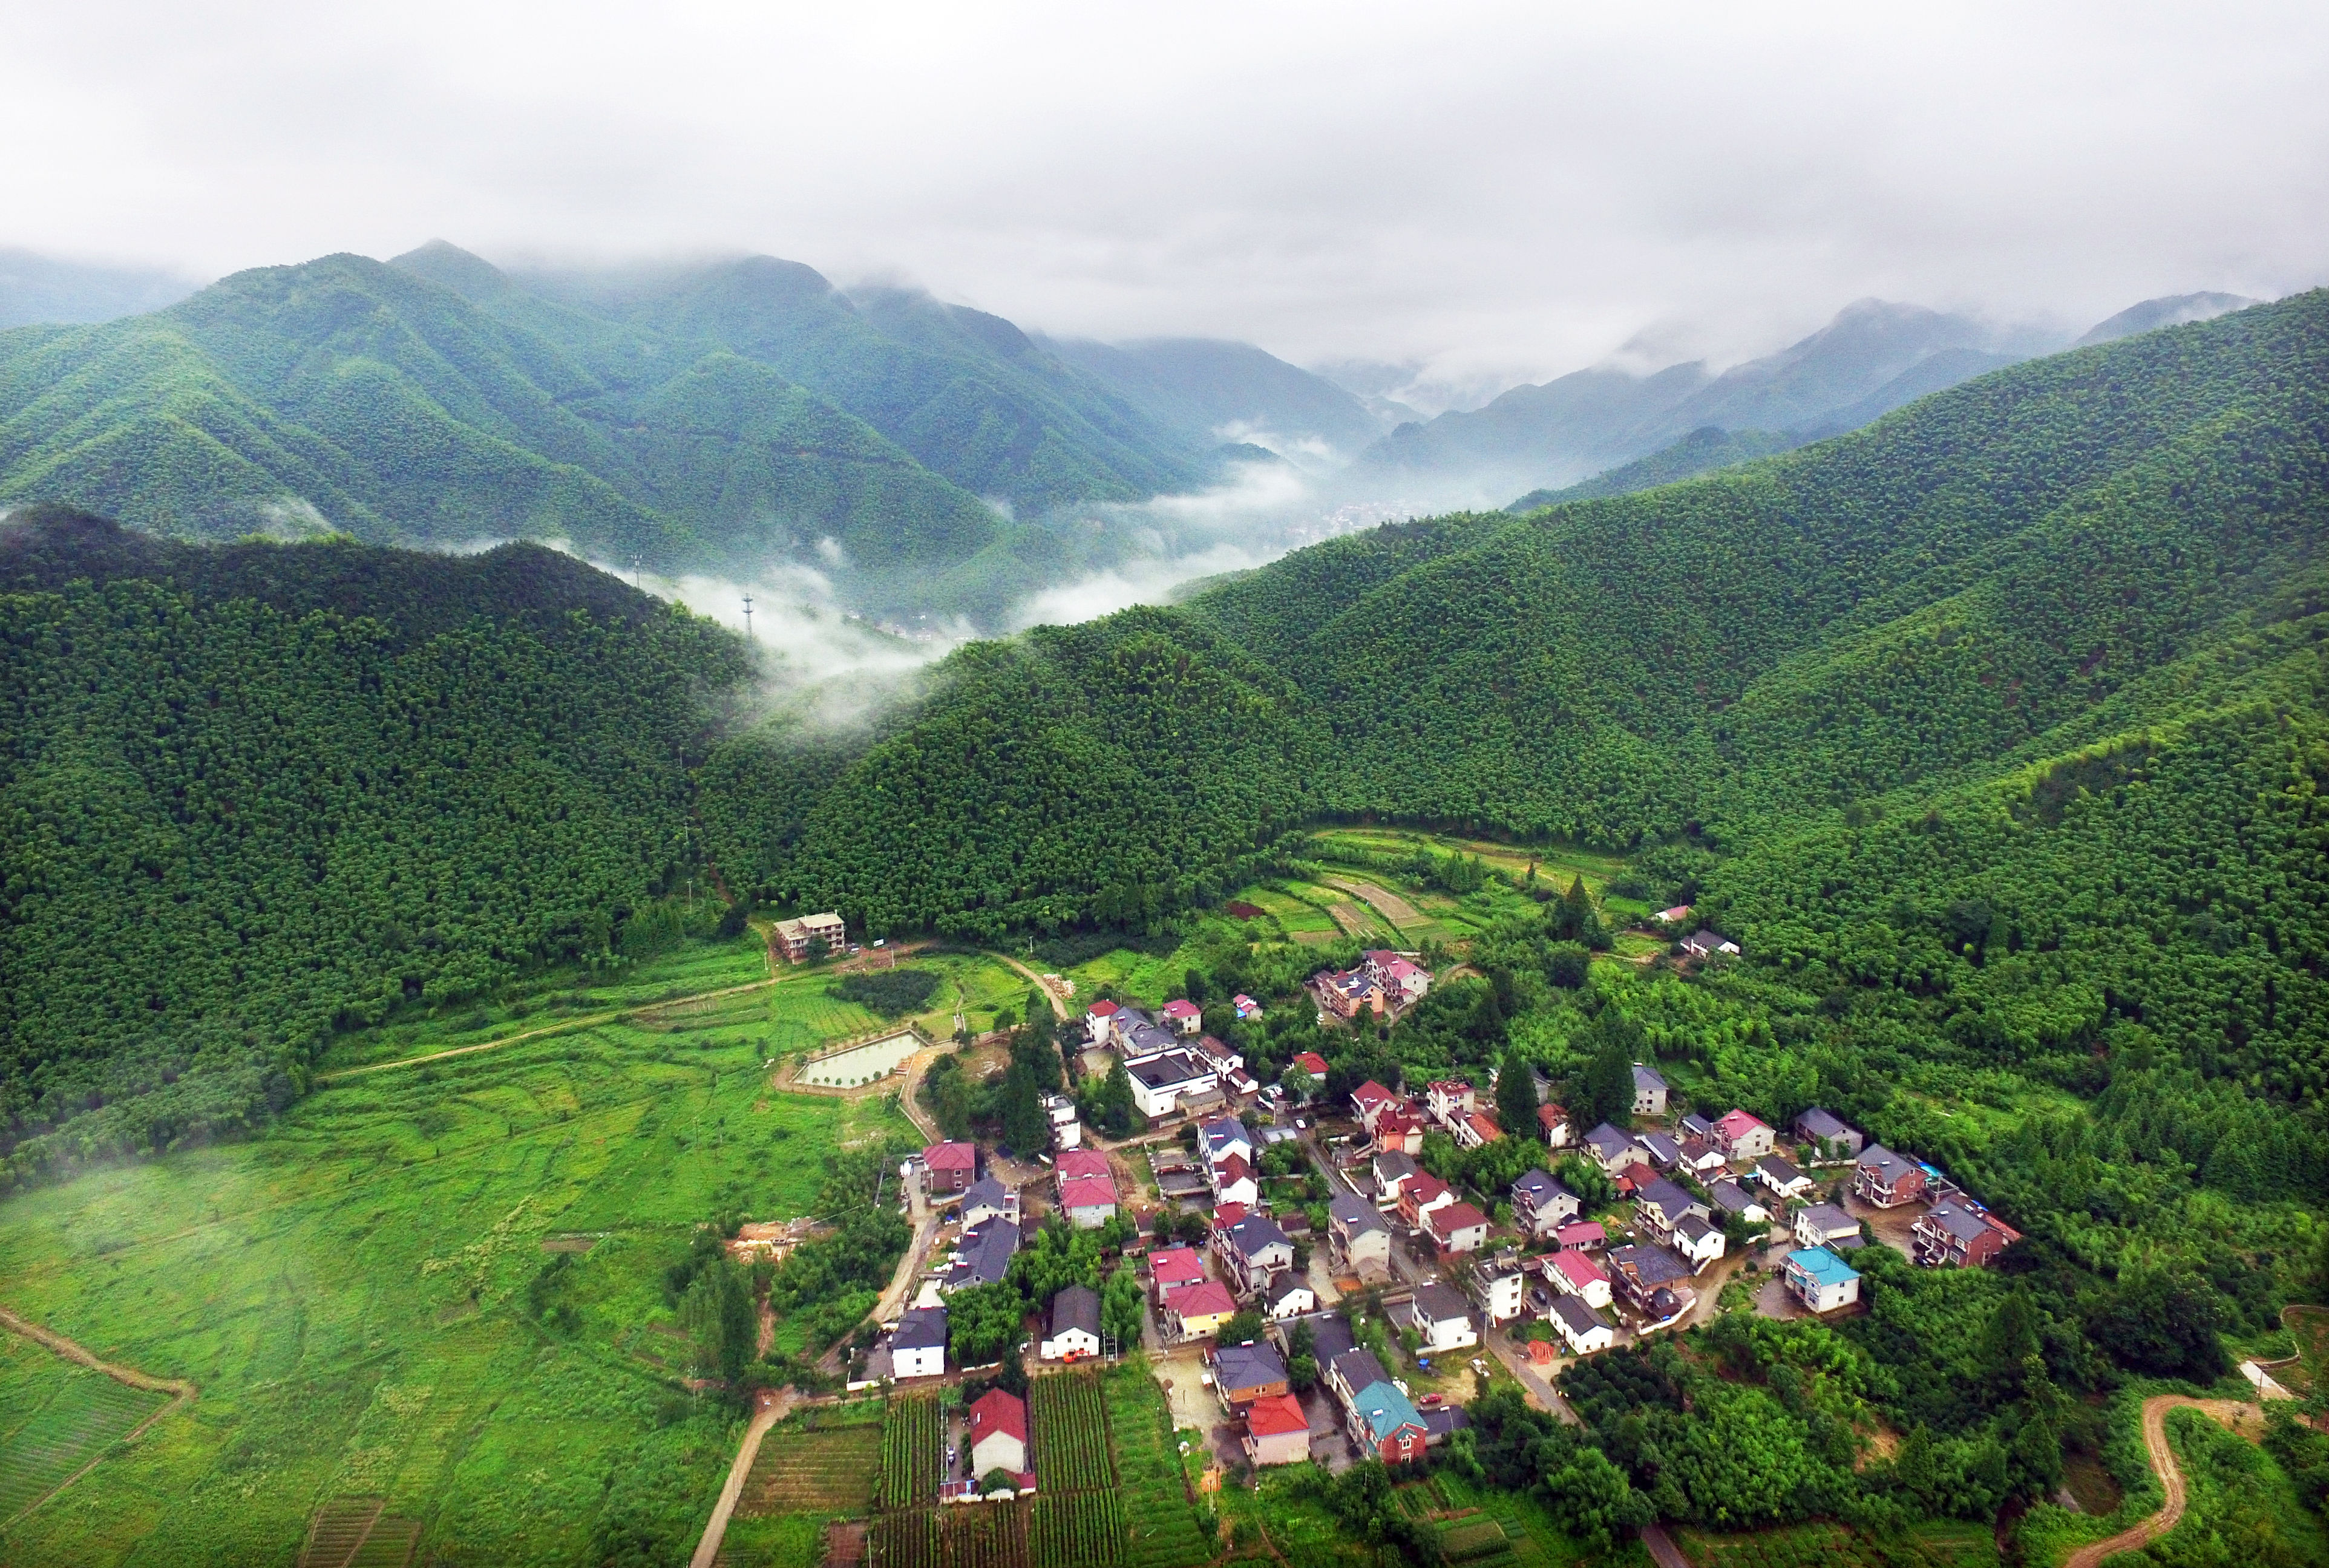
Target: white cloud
{"x": 1498, "y": 190}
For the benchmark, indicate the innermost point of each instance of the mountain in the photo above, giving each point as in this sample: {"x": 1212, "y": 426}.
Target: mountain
{"x": 36, "y": 288}
{"x": 255, "y": 794}
{"x": 2169, "y": 310}
{"x": 1702, "y": 451}
{"x": 1873, "y": 357}
{"x": 2080, "y": 602}
{"x": 1214, "y": 391}
{"x": 723, "y": 418}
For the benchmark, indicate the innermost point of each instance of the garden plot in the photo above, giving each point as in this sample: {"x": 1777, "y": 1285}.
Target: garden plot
{"x": 67, "y": 1418}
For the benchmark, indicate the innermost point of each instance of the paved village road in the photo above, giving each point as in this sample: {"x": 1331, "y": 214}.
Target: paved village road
{"x": 58, "y": 1343}
{"x": 2163, "y": 1464}
{"x": 775, "y": 1407}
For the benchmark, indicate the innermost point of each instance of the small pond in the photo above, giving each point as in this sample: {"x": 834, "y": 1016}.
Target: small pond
{"x": 862, "y": 1063}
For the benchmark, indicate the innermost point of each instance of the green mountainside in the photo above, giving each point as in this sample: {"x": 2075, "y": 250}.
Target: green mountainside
{"x": 1704, "y": 450}
{"x": 1978, "y": 637}
{"x": 722, "y": 419}
{"x": 254, "y": 795}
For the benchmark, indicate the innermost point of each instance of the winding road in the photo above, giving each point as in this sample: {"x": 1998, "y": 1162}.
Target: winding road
{"x": 773, "y": 1409}
{"x": 2163, "y": 1464}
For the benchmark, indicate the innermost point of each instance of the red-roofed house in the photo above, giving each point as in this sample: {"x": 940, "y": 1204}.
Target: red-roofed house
{"x": 953, "y": 1166}
{"x": 1098, "y": 1019}
{"x": 1185, "y": 1018}
{"x": 1422, "y": 1194}
{"x": 1201, "y": 1309}
{"x": 1076, "y": 1162}
{"x": 1553, "y": 1123}
{"x": 1584, "y": 1236}
{"x": 1742, "y": 1136}
{"x": 1169, "y": 1267}
{"x": 1312, "y": 1063}
{"x": 1370, "y": 1100}
{"x": 1277, "y": 1432}
{"x": 1456, "y": 1227}
{"x": 1580, "y": 1276}
{"x": 998, "y": 1433}
{"x": 1226, "y": 1215}
{"x": 1233, "y": 1181}
{"x": 1402, "y": 980}
{"x": 1400, "y": 1129}
{"x": 1477, "y": 1128}
{"x": 1088, "y": 1201}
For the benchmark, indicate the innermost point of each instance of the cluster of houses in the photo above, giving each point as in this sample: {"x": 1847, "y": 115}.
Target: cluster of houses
{"x": 1384, "y": 982}
{"x": 1175, "y": 1067}
{"x": 1247, "y": 1258}
{"x": 1376, "y": 1413}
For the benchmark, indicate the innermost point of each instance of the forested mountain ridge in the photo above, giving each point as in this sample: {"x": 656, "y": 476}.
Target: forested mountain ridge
{"x": 725, "y": 418}
{"x": 250, "y": 797}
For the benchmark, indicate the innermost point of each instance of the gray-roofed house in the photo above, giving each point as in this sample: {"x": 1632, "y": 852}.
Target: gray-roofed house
{"x": 1665, "y": 1152}
{"x": 1653, "y": 1280}
{"x": 1885, "y": 1178}
{"x": 1835, "y": 1138}
{"x": 1823, "y": 1225}
{"x": 1706, "y": 943}
{"x": 1350, "y": 1371}
{"x": 1245, "y": 1373}
{"x": 1393, "y": 1169}
{"x": 1731, "y": 1197}
{"x": 1442, "y": 1421}
{"x": 1543, "y": 1205}
{"x": 1585, "y": 1329}
{"x": 918, "y": 1347}
{"x": 1254, "y": 1249}
{"x": 1072, "y": 1327}
{"x": 1443, "y": 1317}
{"x": 988, "y": 1199}
{"x": 1696, "y": 1238}
{"x": 1663, "y": 1205}
{"x": 1649, "y": 1092}
{"x": 985, "y": 1256}
{"x": 1780, "y": 1175}
{"x": 1358, "y": 1239}
{"x": 1613, "y": 1151}
{"x": 1694, "y": 1125}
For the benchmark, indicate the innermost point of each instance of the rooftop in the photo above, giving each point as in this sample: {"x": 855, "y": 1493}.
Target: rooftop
{"x": 1822, "y": 1266}
{"x": 1075, "y": 1307}
{"x": 951, "y": 1157}
{"x": 1439, "y": 1303}
{"x": 921, "y": 1329}
{"x": 1249, "y": 1366}
{"x": 1276, "y": 1415}
{"x": 1384, "y": 1409}
{"x": 996, "y": 1410}
{"x": 1576, "y": 1315}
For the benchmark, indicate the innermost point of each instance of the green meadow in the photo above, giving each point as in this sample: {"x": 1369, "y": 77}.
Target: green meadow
{"x": 349, "y": 1289}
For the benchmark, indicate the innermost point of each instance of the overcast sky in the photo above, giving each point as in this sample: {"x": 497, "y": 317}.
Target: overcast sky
{"x": 1510, "y": 190}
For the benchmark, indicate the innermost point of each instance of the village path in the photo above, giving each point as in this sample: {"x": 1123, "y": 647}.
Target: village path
{"x": 901, "y": 1278}
{"x": 1059, "y": 1004}
{"x": 775, "y": 1405}
{"x": 2163, "y": 1464}
{"x": 1662, "y": 1550}
{"x": 58, "y": 1343}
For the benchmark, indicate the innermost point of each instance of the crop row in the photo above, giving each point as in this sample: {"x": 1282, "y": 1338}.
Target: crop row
{"x": 1076, "y": 1529}
{"x": 87, "y": 1413}
{"x": 912, "y": 1452}
{"x": 1161, "y": 1526}
{"x": 1070, "y": 1423}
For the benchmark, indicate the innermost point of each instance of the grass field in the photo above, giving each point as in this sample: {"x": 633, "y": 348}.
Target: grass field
{"x": 344, "y": 1290}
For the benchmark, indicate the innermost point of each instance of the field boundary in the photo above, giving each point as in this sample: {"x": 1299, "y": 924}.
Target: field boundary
{"x": 129, "y": 1376}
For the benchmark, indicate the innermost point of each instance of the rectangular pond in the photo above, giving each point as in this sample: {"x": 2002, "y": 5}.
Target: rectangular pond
{"x": 862, "y": 1063}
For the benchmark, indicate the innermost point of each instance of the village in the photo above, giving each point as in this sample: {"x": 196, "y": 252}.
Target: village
{"x": 1281, "y": 1340}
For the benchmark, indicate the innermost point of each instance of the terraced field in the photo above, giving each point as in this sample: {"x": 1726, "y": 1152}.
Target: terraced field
{"x": 54, "y": 1418}
{"x": 828, "y": 1471}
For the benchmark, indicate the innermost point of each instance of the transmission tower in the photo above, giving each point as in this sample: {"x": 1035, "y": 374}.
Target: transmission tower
{"x": 748, "y": 618}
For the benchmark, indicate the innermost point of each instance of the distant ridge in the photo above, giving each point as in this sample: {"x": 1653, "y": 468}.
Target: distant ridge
{"x": 2168, "y": 310}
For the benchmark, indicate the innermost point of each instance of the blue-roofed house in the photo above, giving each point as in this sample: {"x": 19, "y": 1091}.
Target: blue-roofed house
{"x": 1385, "y": 1423}
{"x": 1820, "y": 1280}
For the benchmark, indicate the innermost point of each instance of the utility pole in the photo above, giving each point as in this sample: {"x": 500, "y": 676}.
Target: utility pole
{"x": 748, "y": 618}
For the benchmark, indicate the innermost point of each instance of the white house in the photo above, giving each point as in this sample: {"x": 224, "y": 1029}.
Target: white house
{"x": 1743, "y": 1136}
{"x": 1573, "y": 1273}
{"x": 1820, "y": 1224}
{"x": 1780, "y": 1175}
{"x": 1160, "y": 1083}
{"x": 1820, "y": 1280}
{"x": 1287, "y": 1296}
{"x": 1438, "y": 1315}
{"x": 918, "y": 1348}
{"x": 1183, "y": 1017}
{"x": 1360, "y": 1239}
{"x": 998, "y": 1433}
{"x": 1500, "y": 1288}
{"x": 1402, "y": 981}
{"x": 1583, "y": 1329}
{"x": 1649, "y": 1093}
{"x": 1072, "y": 1327}
{"x": 1542, "y": 1205}
{"x": 1695, "y": 1239}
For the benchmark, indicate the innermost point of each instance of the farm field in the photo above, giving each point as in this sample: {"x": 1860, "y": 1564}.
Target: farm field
{"x": 346, "y": 1290}
{"x": 1829, "y": 1546}
{"x": 55, "y": 1417}
{"x": 912, "y": 1451}
{"x": 1161, "y": 1523}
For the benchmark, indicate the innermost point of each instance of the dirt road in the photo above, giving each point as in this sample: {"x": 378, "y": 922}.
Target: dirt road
{"x": 774, "y": 1407}
{"x": 2163, "y": 1464}
{"x": 129, "y": 1375}
{"x": 1059, "y": 1004}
